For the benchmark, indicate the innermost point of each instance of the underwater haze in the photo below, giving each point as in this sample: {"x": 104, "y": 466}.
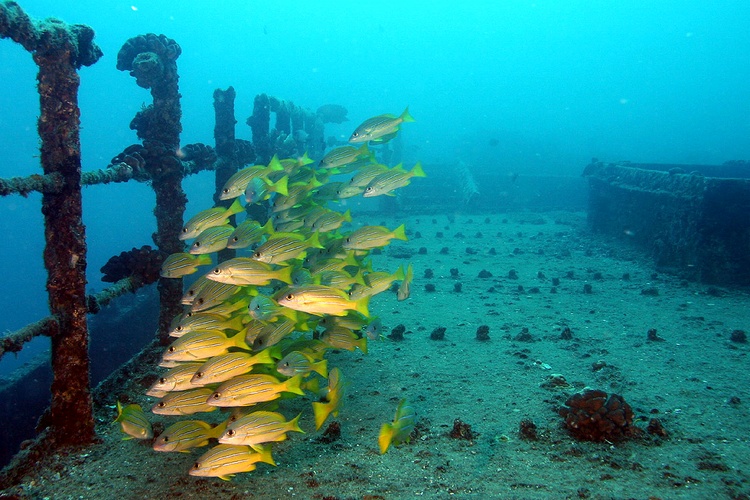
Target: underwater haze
{"x": 530, "y": 87}
{"x": 552, "y": 334}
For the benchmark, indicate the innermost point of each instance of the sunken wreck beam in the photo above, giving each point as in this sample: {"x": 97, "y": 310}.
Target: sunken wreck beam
{"x": 14, "y": 341}
{"x": 693, "y": 219}
{"x": 152, "y": 60}
{"x": 60, "y": 50}
{"x": 298, "y": 130}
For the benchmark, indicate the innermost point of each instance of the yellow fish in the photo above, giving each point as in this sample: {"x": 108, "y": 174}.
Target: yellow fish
{"x": 343, "y": 155}
{"x": 400, "y": 430}
{"x": 299, "y": 363}
{"x": 202, "y": 344}
{"x": 259, "y": 427}
{"x": 247, "y": 271}
{"x": 227, "y": 366}
{"x": 369, "y": 237}
{"x": 181, "y": 264}
{"x": 343, "y": 338}
{"x": 211, "y": 217}
{"x": 248, "y": 233}
{"x": 211, "y": 239}
{"x": 187, "y": 434}
{"x": 391, "y": 180}
{"x": 225, "y": 460}
{"x": 205, "y": 321}
{"x": 319, "y": 300}
{"x": 176, "y": 379}
{"x": 245, "y": 390}
{"x": 237, "y": 183}
{"x": 379, "y": 127}
{"x": 212, "y": 294}
{"x": 404, "y": 290}
{"x": 335, "y": 393}
{"x": 133, "y": 422}
{"x": 184, "y": 402}
{"x": 284, "y": 246}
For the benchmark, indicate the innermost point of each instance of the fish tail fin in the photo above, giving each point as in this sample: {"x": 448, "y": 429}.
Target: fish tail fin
{"x": 293, "y": 385}
{"x": 399, "y": 275}
{"x": 239, "y": 341}
{"x": 417, "y": 170}
{"x": 264, "y": 357}
{"x": 217, "y": 431}
{"x": 294, "y": 424}
{"x": 406, "y": 117}
{"x": 265, "y": 454}
{"x": 305, "y": 160}
{"x": 314, "y": 242}
{"x": 285, "y": 275}
{"x": 362, "y": 344}
{"x": 321, "y": 411}
{"x": 119, "y": 413}
{"x": 321, "y": 367}
{"x": 385, "y": 437}
{"x": 348, "y": 216}
{"x": 275, "y": 165}
{"x": 400, "y": 232}
{"x": 203, "y": 259}
{"x": 361, "y": 306}
{"x": 281, "y": 186}
{"x": 235, "y": 208}
{"x": 268, "y": 227}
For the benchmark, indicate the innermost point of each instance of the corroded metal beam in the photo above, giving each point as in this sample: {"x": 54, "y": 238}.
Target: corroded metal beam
{"x": 59, "y": 50}
{"x": 152, "y": 60}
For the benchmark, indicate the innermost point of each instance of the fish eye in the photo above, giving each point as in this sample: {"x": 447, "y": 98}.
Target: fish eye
{"x": 256, "y": 255}
{"x": 217, "y": 395}
{"x": 217, "y": 271}
{"x": 165, "y": 439}
{"x": 184, "y": 230}
{"x": 200, "y": 301}
{"x": 196, "y": 244}
{"x": 197, "y": 465}
{"x": 171, "y": 348}
{"x": 230, "y": 433}
{"x": 369, "y": 189}
{"x": 161, "y": 404}
{"x": 198, "y": 374}
{"x": 162, "y": 380}
{"x": 289, "y": 296}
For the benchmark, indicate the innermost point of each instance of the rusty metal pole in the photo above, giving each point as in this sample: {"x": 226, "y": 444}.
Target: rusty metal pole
{"x": 60, "y": 50}
{"x": 152, "y": 60}
{"x": 224, "y": 135}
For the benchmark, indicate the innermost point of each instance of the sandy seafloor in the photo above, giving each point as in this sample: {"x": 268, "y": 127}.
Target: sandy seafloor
{"x": 687, "y": 382}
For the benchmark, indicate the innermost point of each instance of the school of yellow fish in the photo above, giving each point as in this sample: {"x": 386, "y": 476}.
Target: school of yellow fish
{"x": 256, "y": 328}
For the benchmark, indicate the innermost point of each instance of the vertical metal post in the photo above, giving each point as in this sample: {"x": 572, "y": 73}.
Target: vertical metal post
{"x": 60, "y": 50}
{"x": 152, "y": 60}
{"x": 226, "y": 149}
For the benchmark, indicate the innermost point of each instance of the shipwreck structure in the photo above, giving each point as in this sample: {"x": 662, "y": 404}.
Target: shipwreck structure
{"x": 60, "y": 50}
{"x": 693, "y": 219}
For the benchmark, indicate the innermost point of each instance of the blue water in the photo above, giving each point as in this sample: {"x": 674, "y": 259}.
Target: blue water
{"x": 550, "y": 83}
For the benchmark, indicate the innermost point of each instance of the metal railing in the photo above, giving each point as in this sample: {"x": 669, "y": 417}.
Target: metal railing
{"x": 59, "y": 50}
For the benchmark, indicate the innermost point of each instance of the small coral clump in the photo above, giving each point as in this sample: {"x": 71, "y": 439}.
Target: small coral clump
{"x": 594, "y": 415}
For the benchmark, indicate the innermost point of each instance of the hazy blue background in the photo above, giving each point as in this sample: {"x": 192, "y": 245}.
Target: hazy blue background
{"x": 554, "y": 82}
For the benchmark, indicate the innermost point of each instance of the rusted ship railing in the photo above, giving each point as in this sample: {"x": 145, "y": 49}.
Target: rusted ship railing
{"x": 60, "y": 50}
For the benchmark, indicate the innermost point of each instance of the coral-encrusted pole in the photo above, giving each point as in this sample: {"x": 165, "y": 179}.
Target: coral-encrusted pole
{"x": 224, "y": 135}
{"x": 152, "y": 60}
{"x": 60, "y": 50}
